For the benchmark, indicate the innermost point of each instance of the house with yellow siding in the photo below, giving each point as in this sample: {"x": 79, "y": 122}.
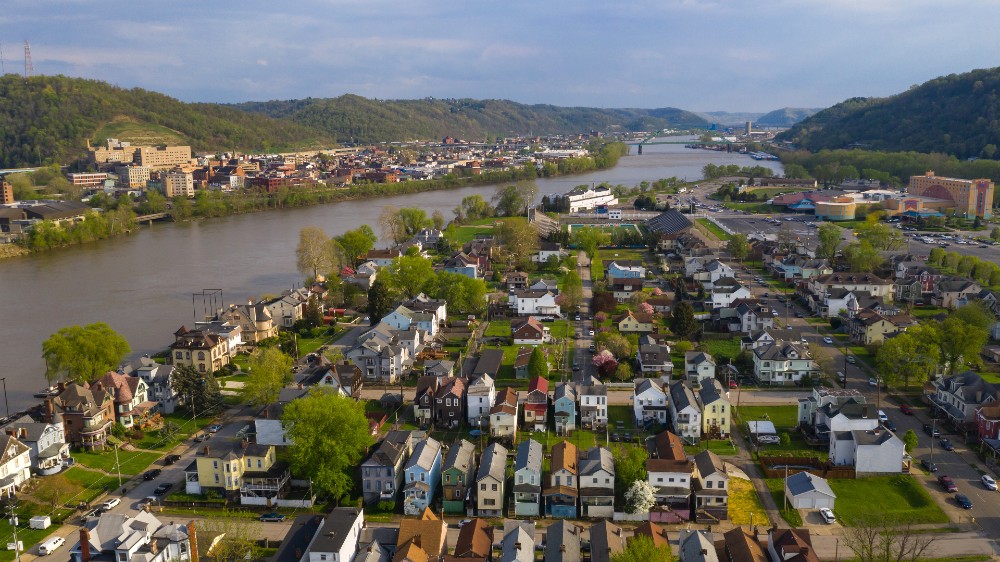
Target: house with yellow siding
{"x": 198, "y": 348}
{"x": 245, "y": 471}
{"x": 716, "y": 410}
{"x": 634, "y": 322}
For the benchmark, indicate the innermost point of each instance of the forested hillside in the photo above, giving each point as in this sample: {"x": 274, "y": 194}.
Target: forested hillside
{"x": 785, "y": 117}
{"x": 49, "y": 119}
{"x": 958, "y": 114}
{"x": 360, "y": 120}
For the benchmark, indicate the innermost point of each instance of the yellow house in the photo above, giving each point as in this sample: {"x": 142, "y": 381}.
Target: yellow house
{"x": 204, "y": 351}
{"x": 245, "y": 470}
{"x": 634, "y": 322}
{"x": 716, "y": 410}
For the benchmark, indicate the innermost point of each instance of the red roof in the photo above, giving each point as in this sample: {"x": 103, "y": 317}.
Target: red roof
{"x": 539, "y": 384}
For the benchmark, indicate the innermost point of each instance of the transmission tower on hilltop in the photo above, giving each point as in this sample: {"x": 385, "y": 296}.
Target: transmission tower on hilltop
{"x": 29, "y": 69}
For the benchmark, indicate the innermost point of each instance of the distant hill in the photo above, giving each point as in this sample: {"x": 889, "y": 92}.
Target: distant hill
{"x": 51, "y": 118}
{"x": 958, "y": 114}
{"x": 729, "y": 118}
{"x": 355, "y": 119}
{"x": 785, "y": 117}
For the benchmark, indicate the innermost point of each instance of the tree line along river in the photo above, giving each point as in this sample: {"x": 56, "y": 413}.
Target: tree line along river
{"x": 142, "y": 284}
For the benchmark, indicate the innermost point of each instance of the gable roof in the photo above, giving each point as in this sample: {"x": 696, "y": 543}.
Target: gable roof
{"x": 562, "y": 542}
{"x": 565, "y": 456}
{"x": 804, "y": 482}
{"x": 529, "y": 456}
{"x": 605, "y": 540}
{"x": 461, "y": 456}
{"x": 741, "y": 545}
{"x": 493, "y": 462}
{"x": 708, "y": 463}
{"x": 424, "y": 454}
{"x": 596, "y": 459}
{"x": 475, "y": 539}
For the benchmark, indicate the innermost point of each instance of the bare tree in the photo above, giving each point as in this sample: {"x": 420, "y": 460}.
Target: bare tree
{"x": 238, "y": 541}
{"x": 391, "y": 224}
{"x": 874, "y": 537}
{"x": 316, "y": 253}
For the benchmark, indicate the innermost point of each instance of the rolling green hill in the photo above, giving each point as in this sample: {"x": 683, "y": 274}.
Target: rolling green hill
{"x": 785, "y": 117}
{"x": 355, "y": 119}
{"x": 958, "y": 114}
{"x": 50, "y": 119}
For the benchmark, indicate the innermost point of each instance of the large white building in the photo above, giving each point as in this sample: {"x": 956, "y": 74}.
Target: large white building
{"x": 584, "y": 197}
{"x": 178, "y": 184}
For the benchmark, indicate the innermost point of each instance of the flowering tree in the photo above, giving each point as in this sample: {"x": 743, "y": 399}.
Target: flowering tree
{"x": 602, "y": 357}
{"x": 640, "y": 497}
{"x": 657, "y": 291}
{"x": 600, "y": 317}
{"x": 646, "y": 308}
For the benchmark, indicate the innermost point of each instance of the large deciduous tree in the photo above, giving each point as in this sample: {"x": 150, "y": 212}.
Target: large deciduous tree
{"x": 519, "y": 238}
{"x": 961, "y": 343}
{"x": 410, "y": 274}
{"x": 640, "y": 548}
{"x": 329, "y": 435}
{"x": 270, "y": 371}
{"x": 862, "y": 257}
{"x": 200, "y": 391}
{"x": 589, "y": 239}
{"x": 316, "y": 254}
{"x": 380, "y": 299}
{"x": 357, "y": 243}
{"x": 738, "y": 247}
{"x": 83, "y": 352}
{"x": 463, "y": 294}
{"x": 829, "y": 239}
{"x": 572, "y": 292}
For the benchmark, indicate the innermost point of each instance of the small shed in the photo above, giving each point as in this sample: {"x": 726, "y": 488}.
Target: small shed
{"x": 808, "y": 491}
{"x": 763, "y": 432}
{"x": 40, "y": 522}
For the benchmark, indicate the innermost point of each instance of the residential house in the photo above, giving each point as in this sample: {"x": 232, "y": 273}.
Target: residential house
{"x": 654, "y": 358}
{"x": 653, "y": 532}
{"x": 597, "y": 483}
{"x": 536, "y": 405}
{"x": 528, "y": 331}
{"x": 48, "y": 450}
{"x": 456, "y": 473}
{"x": 959, "y": 396}
{"x": 669, "y": 472}
{"x": 562, "y": 492}
{"x": 381, "y": 355}
{"x": 382, "y": 472}
{"x": 504, "y": 414}
{"x": 528, "y": 479}
{"x": 564, "y": 400}
{"x": 248, "y": 472}
{"x": 547, "y": 250}
{"x": 624, "y": 288}
{"x": 716, "y": 410}
{"x": 757, "y": 339}
{"x": 550, "y": 285}
{"x": 422, "y": 476}
{"x": 801, "y": 267}
{"x": 695, "y": 545}
{"x": 850, "y": 281}
{"x": 790, "y": 545}
{"x": 403, "y": 318}
{"x": 869, "y": 327}
{"x": 711, "y": 485}
{"x": 516, "y": 281}
{"x": 130, "y": 396}
{"x": 204, "y": 351}
{"x": 134, "y": 538}
{"x": 754, "y": 316}
{"x": 711, "y": 272}
{"x": 480, "y": 397}
{"x": 420, "y": 539}
{"x": 428, "y": 236}
{"x": 87, "y": 414}
{"x": 954, "y": 293}
{"x": 490, "y": 481}
{"x": 268, "y": 427}
{"x": 463, "y": 264}
{"x": 523, "y": 360}
{"x": 346, "y": 379}
{"x": 661, "y": 303}
{"x": 383, "y": 258}
{"x": 634, "y": 322}
{"x": 15, "y": 465}
{"x": 563, "y": 541}
{"x": 489, "y": 362}
{"x": 285, "y": 310}
{"x": 805, "y": 490}
{"x": 696, "y": 264}
{"x": 449, "y": 402}
{"x": 606, "y": 538}
{"x": 649, "y": 402}
{"x": 809, "y": 407}
{"x": 685, "y": 416}
{"x": 159, "y": 383}
{"x": 843, "y": 416}
{"x": 740, "y": 544}
{"x": 526, "y": 303}
{"x": 254, "y": 320}
{"x": 593, "y": 405}
{"x": 423, "y": 303}
{"x": 723, "y": 296}
{"x": 423, "y": 402}
{"x": 871, "y": 452}
{"x": 698, "y": 366}
{"x": 625, "y": 269}
{"x": 518, "y": 545}
{"x": 474, "y": 543}
{"x": 782, "y": 363}
{"x": 439, "y": 368}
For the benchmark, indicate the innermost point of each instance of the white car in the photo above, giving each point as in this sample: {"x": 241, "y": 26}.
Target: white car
{"x": 827, "y": 515}
{"x": 872, "y": 381}
{"x": 828, "y": 340}
{"x": 882, "y": 417}
{"x": 989, "y": 482}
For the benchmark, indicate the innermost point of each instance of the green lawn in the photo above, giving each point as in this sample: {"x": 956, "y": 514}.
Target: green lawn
{"x": 783, "y": 417}
{"x": 132, "y": 463}
{"x": 94, "y": 483}
{"x": 185, "y": 423}
{"x": 744, "y": 500}
{"x": 720, "y": 447}
{"x": 899, "y": 497}
{"x": 622, "y": 413}
{"x": 924, "y": 312}
{"x": 498, "y": 328}
{"x": 28, "y": 537}
{"x": 755, "y": 208}
{"x": 714, "y": 229}
{"x": 789, "y": 514}
{"x": 722, "y": 350}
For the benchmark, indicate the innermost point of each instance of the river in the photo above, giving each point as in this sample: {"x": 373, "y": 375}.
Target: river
{"x": 142, "y": 284}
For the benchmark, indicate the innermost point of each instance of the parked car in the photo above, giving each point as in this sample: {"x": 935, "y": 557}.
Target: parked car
{"x": 872, "y": 381}
{"x": 733, "y": 384}
{"x": 927, "y": 465}
{"x": 882, "y": 417}
{"x": 151, "y": 474}
{"x": 214, "y": 428}
{"x": 590, "y": 332}
{"x": 963, "y": 501}
{"x": 947, "y": 483}
{"x": 890, "y": 425}
{"x": 272, "y": 517}
{"x": 828, "y": 340}
{"x": 163, "y": 488}
{"x": 852, "y": 359}
{"x": 110, "y": 503}
{"x": 931, "y": 430}
{"x": 946, "y": 444}
{"x": 906, "y": 409}
{"x": 989, "y": 483}
{"x": 171, "y": 459}
{"x": 827, "y": 514}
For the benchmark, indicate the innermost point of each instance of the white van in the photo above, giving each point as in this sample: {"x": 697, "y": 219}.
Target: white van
{"x": 111, "y": 503}
{"x": 50, "y": 546}
{"x": 841, "y": 377}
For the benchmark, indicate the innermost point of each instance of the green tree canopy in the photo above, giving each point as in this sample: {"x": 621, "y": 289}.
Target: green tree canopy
{"x": 329, "y": 435}
{"x": 862, "y": 257}
{"x": 640, "y": 548}
{"x": 270, "y": 371}
{"x": 200, "y": 391}
{"x": 589, "y": 239}
{"x": 380, "y": 300}
{"x": 519, "y": 238}
{"x": 83, "y": 353}
{"x": 357, "y": 242}
{"x": 829, "y": 239}
{"x": 738, "y": 247}
{"x": 409, "y": 275}
{"x": 316, "y": 254}
{"x": 464, "y": 294}
{"x": 682, "y": 321}
{"x": 538, "y": 365}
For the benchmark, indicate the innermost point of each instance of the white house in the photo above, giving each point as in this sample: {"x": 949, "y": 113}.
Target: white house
{"x": 698, "y": 366}
{"x": 534, "y": 302}
{"x": 684, "y": 412}
{"x": 711, "y": 272}
{"x": 585, "y": 197}
{"x": 782, "y": 363}
{"x": 593, "y": 405}
{"x": 625, "y": 269}
{"x": 403, "y": 318}
{"x": 480, "y": 396}
{"x": 15, "y": 465}
{"x": 723, "y": 296}
{"x": 546, "y": 250}
{"x": 808, "y": 491}
{"x": 649, "y": 401}
{"x": 597, "y": 483}
{"x": 871, "y": 452}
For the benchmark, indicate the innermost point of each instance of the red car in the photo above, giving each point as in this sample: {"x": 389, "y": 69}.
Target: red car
{"x": 906, "y": 409}
{"x": 733, "y": 384}
{"x": 948, "y": 484}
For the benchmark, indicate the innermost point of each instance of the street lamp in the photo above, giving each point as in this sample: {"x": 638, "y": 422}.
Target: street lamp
{"x": 5, "y": 402}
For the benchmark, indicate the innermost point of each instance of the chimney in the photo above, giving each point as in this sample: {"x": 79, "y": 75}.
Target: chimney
{"x": 153, "y": 547}
{"x": 22, "y": 432}
{"x": 562, "y": 548}
{"x": 517, "y": 546}
{"x": 84, "y": 545}
{"x": 193, "y": 538}
{"x": 49, "y": 410}
{"x": 206, "y": 450}
{"x": 61, "y": 386}
{"x": 264, "y": 414}
{"x": 704, "y": 552}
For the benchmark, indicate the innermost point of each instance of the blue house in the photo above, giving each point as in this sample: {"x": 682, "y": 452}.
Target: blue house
{"x": 463, "y": 264}
{"x": 528, "y": 478}
{"x": 421, "y": 476}
{"x": 562, "y": 492}
{"x": 564, "y": 400}
{"x": 625, "y": 269}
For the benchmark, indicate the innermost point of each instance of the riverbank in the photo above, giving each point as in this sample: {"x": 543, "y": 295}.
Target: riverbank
{"x": 214, "y": 204}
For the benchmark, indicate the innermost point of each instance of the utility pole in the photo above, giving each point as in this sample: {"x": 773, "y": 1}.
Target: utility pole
{"x": 118, "y": 466}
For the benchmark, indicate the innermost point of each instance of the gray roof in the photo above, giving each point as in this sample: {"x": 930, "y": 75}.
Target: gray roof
{"x": 529, "y": 455}
{"x": 336, "y": 529}
{"x": 804, "y": 482}
{"x": 562, "y": 542}
{"x": 597, "y": 458}
{"x": 710, "y": 391}
{"x": 424, "y": 454}
{"x": 564, "y": 389}
{"x": 697, "y": 546}
{"x": 489, "y": 362}
{"x": 518, "y": 546}
{"x": 493, "y": 462}
{"x": 696, "y": 357}
{"x": 461, "y": 456}
{"x": 681, "y": 395}
{"x": 668, "y": 222}
{"x": 605, "y": 540}
{"x": 709, "y": 463}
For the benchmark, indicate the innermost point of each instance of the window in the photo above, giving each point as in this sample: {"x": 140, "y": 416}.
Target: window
{"x": 494, "y": 487}
{"x": 260, "y": 463}
{"x": 520, "y": 479}
{"x": 458, "y": 494}
{"x": 215, "y": 464}
{"x": 708, "y": 484}
{"x": 422, "y": 476}
{"x": 216, "y": 478}
{"x": 447, "y": 478}
{"x": 483, "y": 487}
{"x": 558, "y": 483}
{"x": 659, "y": 480}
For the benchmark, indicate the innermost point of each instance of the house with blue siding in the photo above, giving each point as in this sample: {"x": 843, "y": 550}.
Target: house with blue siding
{"x": 562, "y": 492}
{"x": 421, "y": 476}
{"x": 564, "y": 402}
{"x": 403, "y": 318}
{"x": 627, "y": 269}
{"x": 528, "y": 478}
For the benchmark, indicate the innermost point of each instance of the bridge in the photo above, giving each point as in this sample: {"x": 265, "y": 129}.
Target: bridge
{"x": 649, "y": 140}
{"x": 151, "y": 217}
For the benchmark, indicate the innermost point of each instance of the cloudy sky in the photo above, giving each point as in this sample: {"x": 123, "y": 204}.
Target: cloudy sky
{"x": 731, "y": 55}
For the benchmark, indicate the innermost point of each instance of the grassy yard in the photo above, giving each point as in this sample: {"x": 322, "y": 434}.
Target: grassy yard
{"x": 468, "y": 233}
{"x": 132, "y": 463}
{"x": 714, "y": 229}
{"x": 924, "y": 312}
{"x": 718, "y": 446}
{"x": 94, "y": 483}
{"x": 498, "y": 328}
{"x": 783, "y": 417}
{"x": 744, "y": 501}
{"x": 900, "y": 497}
{"x": 722, "y": 350}
{"x": 789, "y": 514}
